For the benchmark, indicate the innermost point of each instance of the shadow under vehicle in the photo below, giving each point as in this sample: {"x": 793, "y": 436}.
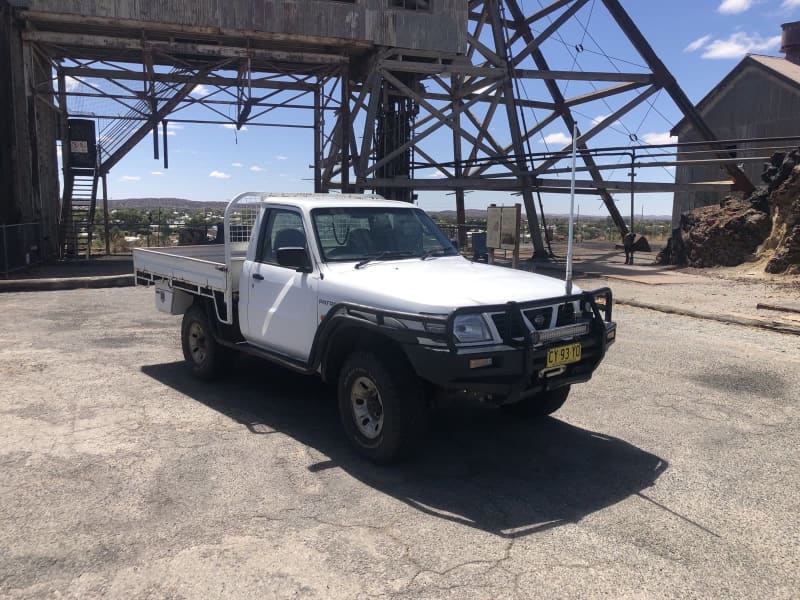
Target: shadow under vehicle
{"x": 483, "y": 469}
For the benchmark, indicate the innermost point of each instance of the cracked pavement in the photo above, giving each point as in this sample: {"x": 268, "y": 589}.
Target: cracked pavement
{"x": 673, "y": 473}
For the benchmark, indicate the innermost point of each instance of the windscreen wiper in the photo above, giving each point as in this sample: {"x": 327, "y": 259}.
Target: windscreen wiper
{"x": 435, "y": 252}
{"x": 387, "y": 254}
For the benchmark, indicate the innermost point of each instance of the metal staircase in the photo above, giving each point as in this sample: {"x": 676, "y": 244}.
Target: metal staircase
{"x": 117, "y": 132}
{"x": 78, "y": 212}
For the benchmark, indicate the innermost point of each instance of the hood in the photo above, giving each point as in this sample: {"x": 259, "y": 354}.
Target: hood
{"x": 437, "y": 285}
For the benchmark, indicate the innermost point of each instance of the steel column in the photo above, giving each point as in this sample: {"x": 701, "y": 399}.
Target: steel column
{"x": 526, "y": 180}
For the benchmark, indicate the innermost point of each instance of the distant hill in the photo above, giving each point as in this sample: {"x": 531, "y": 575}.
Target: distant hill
{"x": 470, "y": 213}
{"x": 481, "y": 214}
{"x": 165, "y": 203}
{"x": 196, "y": 205}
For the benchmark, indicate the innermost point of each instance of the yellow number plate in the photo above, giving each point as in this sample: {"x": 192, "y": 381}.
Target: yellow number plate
{"x": 563, "y": 355}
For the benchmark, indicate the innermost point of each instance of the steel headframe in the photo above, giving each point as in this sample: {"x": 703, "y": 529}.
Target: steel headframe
{"x": 416, "y": 97}
{"x": 462, "y": 114}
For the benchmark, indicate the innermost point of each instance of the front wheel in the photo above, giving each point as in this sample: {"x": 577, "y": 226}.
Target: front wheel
{"x": 382, "y": 407}
{"x": 540, "y": 405}
{"x": 205, "y": 357}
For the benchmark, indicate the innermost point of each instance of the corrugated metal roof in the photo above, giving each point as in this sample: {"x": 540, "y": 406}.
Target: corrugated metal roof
{"x": 781, "y": 67}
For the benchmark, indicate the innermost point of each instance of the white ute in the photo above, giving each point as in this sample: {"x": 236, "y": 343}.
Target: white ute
{"x": 369, "y": 294}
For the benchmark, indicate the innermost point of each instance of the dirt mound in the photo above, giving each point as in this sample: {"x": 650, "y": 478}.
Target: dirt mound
{"x": 766, "y": 225}
{"x": 783, "y": 243}
{"x": 717, "y": 236}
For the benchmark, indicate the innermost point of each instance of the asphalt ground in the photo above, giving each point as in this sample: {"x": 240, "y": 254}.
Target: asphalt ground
{"x": 672, "y": 474}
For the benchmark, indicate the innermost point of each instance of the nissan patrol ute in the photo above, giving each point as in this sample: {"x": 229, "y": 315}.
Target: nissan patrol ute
{"x": 371, "y": 296}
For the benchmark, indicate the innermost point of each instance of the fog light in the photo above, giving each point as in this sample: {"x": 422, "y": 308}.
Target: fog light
{"x": 611, "y": 334}
{"x": 478, "y": 363}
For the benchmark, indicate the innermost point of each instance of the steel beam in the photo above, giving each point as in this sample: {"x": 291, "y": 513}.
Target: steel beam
{"x": 124, "y": 75}
{"x": 525, "y": 179}
{"x": 566, "y": 115}
{"x": 561, "y": 186}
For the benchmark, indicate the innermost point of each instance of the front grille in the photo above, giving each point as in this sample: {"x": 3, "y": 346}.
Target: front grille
{"x": 514, "y": 329}
{"x": 540, "y": 318}
{"x": 566, "y": 314}
{"x": 568, "y": 324}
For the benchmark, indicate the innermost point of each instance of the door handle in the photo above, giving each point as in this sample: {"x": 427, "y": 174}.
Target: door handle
{"x": 258, "y": 276}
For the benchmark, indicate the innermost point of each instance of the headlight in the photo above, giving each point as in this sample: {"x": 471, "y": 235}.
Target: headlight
{"x": 471, "y": 328}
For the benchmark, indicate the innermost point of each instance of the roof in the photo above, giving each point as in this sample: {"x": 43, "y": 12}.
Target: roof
{"x": 778, "y": 67}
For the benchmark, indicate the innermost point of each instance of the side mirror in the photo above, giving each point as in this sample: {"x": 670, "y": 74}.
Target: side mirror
{"x": 296, "y": 258}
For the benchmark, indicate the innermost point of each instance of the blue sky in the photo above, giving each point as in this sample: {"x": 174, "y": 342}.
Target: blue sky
{"x": 700, "y": 41}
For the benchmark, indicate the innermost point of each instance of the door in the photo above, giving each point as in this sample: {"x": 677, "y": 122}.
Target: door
{"x": 281, "y": 302}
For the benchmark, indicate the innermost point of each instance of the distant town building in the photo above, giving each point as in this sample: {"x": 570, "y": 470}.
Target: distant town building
{"x": 759, "y": 98}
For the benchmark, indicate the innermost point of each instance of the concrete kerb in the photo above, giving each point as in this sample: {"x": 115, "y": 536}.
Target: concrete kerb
{"x": 65, "y": 283}
{"x": 730, "y": 319}
{"x": 556, "y": 269}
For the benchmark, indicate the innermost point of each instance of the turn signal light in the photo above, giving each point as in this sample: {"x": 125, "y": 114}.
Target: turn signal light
{"x": 477, "y": 363}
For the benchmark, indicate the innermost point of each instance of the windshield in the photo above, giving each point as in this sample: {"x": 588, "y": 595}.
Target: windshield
{"x": 359, "y": 233}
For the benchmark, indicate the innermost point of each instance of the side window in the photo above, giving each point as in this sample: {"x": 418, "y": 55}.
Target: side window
{"x": 284, "y": 229}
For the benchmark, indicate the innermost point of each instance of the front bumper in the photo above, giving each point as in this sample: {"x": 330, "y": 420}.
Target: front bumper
{"x": 517, "y": 368}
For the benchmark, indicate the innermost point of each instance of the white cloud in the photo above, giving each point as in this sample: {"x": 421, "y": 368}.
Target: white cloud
{"x": 71, "y": 84}
{"x": 130, "y": 178}
{"x": 233, "y": 126}
{"x": 659, "y": 138}
{"x": 558, "y": 138}
{"x": 256, "y": 168}
{"x": 697, "y": 44}
{"x": 156, "y": 172}
{"x": 200, "y": 90}
{"x": 281, "y": 157}
{"x": 172, "y": 128}
{"x": 739, "y": 44}
{"x": 734, "y": 7}
{"x": 435, "y": 174}
{"x": 791, "y": 4}
{"x": 219, "y": 175}
{"x": 238, "y": 165}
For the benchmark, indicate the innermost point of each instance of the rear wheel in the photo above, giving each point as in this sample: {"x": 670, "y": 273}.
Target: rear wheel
{"x": 382, "y": 407}
{"x": 540, "y": 405}
{"x": 205, "y": 357}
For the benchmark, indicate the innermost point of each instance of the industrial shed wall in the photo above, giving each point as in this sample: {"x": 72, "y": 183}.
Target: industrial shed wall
{"x": 15, "y": 184}
{"x": 443, "y": 28}
{"x": 29, "y": 189}
{"x": 756, "y": 104}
